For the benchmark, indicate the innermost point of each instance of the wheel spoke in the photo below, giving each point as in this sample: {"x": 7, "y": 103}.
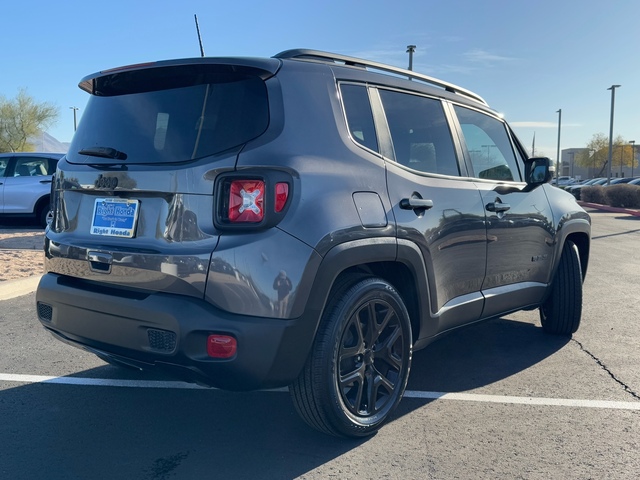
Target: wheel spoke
{"x": 352, "y": 387}
{"x": 383, "y": 382}
{"x": 389, "y": 313}
{"x": 385, "y": 351}
{"x": 371, "y": 327}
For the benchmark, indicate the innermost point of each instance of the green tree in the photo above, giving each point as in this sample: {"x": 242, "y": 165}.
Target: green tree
{"x": 22, "y": 118}
{"x": 596, "y": 154}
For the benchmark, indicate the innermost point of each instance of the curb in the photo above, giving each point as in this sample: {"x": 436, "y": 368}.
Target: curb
{"x": 17, "y": 288}
{"x": 607, "y": 208}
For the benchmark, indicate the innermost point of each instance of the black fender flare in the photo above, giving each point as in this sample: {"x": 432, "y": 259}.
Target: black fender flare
{"x": 353, "y": 254}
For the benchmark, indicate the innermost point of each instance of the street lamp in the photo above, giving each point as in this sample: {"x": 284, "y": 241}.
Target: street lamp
{"x": 559, "y": 112}
{"x": 489, "y": 147}
{"x": 609, "y": 158}
{"x": 410, "y": 50}
{"x": 75, "y": 120}
{"x": 621, "y": 157}
{"x": 633, "y": 154}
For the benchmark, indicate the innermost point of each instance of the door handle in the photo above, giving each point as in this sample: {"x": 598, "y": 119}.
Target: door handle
{"x": 415, "y": 203}
{"x": 497, "y": 207}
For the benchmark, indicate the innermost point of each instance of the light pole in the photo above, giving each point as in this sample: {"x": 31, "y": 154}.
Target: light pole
{"x": 633, "y": 154}
{"x": 489, "y": 147}
{"x": 75, "y": 118}
{"x": 559, "y": 112}
{"x": 621, "y": 157}
{"x": 609, "y": 158}
{"x": 410, "y": 50}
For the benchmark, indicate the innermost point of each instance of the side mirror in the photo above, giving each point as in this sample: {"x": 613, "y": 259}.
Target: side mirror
{"x": 538, "y": 170}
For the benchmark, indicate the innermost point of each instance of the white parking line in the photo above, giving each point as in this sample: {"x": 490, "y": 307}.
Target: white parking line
{"x": 466, "y": 397}
{"x": 550, "y": 402}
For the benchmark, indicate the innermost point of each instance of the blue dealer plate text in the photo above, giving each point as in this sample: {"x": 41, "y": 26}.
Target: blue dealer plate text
{"x": 115, "y": 217}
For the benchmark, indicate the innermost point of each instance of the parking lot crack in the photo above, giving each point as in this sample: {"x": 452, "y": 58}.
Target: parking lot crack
{"x": 606, "y": 369}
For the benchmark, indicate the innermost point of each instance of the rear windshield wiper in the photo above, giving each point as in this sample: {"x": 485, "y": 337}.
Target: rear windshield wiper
{"x": 104, "y": 152}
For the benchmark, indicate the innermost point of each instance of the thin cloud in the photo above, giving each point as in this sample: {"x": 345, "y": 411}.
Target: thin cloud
{"x": 482, "y": 56}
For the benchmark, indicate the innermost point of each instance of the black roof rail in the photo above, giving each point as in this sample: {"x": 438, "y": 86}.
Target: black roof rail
{"x": 306, "y": 54}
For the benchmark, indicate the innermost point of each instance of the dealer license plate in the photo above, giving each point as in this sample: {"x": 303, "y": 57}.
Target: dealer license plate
{"x": 115, "y": 217}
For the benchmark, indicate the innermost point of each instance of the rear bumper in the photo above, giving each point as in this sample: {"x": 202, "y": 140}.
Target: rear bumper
{"x": 169, "y": 332}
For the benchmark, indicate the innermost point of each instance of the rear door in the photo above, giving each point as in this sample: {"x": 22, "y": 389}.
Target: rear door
{"x": 28, "y": 181}
{"x": 435, "y": 206}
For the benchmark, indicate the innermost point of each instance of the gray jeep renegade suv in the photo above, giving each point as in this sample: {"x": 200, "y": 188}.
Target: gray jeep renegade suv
{"x": 307, "y": 220}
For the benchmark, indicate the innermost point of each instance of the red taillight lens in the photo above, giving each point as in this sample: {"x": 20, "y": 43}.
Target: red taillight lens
{"x": 282, "y": 193}
{"x": 246, "y": 201}
{"x": 221, "y": 346}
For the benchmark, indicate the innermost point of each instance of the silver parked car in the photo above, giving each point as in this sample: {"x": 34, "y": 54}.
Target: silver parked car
{"x": 25, "y": 184}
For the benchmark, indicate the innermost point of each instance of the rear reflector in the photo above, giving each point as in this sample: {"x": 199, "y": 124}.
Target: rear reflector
{"x": 282, "y": 193}
{"x": 221, "y": 346}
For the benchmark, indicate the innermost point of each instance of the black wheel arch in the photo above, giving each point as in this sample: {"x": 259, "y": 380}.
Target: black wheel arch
{"x": 399, "y": 262}
{"x": 42, "y": 201}
{"x": 577, "y": 232}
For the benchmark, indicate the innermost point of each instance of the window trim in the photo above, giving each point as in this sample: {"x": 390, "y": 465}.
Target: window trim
{"x": 346, "y": 119}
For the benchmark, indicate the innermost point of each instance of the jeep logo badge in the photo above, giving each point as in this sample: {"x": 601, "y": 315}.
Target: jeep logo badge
{"x": 109, "y": 183}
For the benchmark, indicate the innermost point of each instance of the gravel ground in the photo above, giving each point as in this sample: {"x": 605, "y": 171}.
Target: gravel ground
{"x": 21, "y": 253}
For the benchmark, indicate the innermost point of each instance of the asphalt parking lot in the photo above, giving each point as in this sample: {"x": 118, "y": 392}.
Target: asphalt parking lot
{"x": 495, "y": 400}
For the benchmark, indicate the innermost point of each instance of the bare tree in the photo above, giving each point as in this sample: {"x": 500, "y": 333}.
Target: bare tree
{"x": 22, "y": 118}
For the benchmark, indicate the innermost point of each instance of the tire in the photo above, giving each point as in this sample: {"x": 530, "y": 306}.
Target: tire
{"x": 43, "y": 214}
{"x": 359, "y": 365}
{"x": 561, "y": 312}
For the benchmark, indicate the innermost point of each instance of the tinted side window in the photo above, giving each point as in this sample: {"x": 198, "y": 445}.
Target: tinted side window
{"x": 420, "y": 133}
{"x": 4, "y": 162}
{"x": 489, "y": 145}
{"x": 31, "y": 167}
{"x": 359, "y": 116}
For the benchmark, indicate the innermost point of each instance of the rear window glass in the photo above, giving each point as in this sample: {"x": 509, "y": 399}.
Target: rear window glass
{"x": 166, "y": 119}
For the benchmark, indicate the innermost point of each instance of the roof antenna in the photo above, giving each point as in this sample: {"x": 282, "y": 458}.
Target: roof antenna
{"x": 199, "y": 37}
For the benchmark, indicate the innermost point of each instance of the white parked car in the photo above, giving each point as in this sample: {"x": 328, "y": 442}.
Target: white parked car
{"x": 563, "y": 181}
{"x": 25, "y": 184}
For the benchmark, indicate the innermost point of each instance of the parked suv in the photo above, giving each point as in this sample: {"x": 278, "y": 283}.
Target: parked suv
{"x": 307, "y": 220}
{"x": 25, "y": 184}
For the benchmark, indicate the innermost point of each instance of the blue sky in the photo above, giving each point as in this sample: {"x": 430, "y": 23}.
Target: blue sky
{"x": 526, "y": 58}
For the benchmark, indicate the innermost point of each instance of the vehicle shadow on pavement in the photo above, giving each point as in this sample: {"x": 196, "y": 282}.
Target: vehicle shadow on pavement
{"x": 480, "y": 355}
{"x": 158, "y": 433}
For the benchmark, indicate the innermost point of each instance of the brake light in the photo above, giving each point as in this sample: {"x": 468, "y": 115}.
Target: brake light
{"x": 246, "y": 201}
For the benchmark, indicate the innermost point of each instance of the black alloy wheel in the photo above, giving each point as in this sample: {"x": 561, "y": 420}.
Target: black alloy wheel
{"x": 358, "y": 369}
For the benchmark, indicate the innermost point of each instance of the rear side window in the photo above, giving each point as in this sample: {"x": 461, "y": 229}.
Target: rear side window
{"x": 420, "y": 133}
{"x": 359, "y": 115}
{"x": 167, "y": 116}
{"x": 489, "y": 146}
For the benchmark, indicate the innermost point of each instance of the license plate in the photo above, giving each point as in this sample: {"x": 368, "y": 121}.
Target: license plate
{"x": 115, "y": 217}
